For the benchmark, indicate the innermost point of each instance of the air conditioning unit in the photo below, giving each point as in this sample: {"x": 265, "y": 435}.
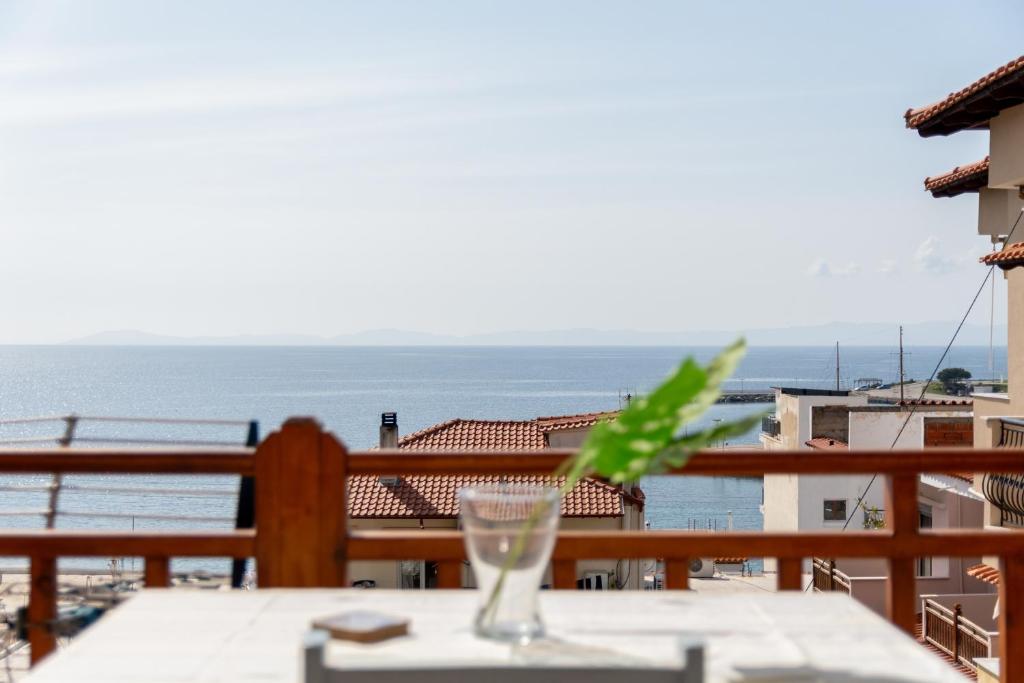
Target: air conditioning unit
{"x": 702, "y": 567}
{"x": 595, "y": 581}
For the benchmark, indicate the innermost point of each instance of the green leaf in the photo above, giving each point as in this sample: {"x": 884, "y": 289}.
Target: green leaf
{"x": 634, "y": 444}
{"x": 680, "y": 451}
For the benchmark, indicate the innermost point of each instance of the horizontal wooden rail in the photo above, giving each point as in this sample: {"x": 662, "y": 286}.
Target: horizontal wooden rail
{"x": 712, "y": 462}
{"x": 447, "y": 545}
{"x": 127, "y": 461}
{"x": 97, "y": 543}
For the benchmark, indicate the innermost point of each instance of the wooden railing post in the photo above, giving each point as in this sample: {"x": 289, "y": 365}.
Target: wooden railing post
{"x": 957, "y": 612}
{"x": 677, "y": 574}
{"x": 902, "y": 522}
{"x": 301, "y": 522}
{"x": 449, "y": 574}
{"x": 790, "y": 573}
{"x": 564, "y": 574}
{"x": 158, "y": 574}
{"x": 42, "y": 607}
{"x": 1011, "y": 607}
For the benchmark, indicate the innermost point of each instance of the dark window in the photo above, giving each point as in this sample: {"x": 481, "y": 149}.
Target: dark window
{"x": 835, "y": 510}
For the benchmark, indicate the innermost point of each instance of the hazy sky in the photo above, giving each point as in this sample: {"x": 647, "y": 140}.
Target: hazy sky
{"x": 223, "y": 168}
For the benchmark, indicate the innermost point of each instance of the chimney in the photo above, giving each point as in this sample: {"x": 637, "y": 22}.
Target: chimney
{"x": 389, "y": 430}
{"x": 389, "y": 439}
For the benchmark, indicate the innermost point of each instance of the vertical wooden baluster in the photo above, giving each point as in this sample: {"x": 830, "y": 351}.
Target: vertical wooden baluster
{"x": 301, "y": 522}
{"x": 42, "y": 607}
{"x": 449, "y": 574}
{"x": 790, "y": 574}
{"x": 1011, "y": 608}
{"x": 158, "y": 573}
{"x": 564, "y": 572}
{"x": 677, "y": 574}
{"x": 902, "y": 522}
{"x": 957, "y": 613}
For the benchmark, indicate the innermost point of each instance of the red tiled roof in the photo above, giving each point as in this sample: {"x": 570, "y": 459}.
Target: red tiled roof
{"x": 487, "y": 434}
{"x": 557, "y": 422}
{"x": 730, "y": 560}
{"x": 966, "y": 178}
{"x": 436, "y": 496}
{"x": 974, "y": 105}
{"x": 984, "y": 572}
{"x": 962, "y": 476}
{"x": 826, "y": 444}
{"x": 1008, "y": 257}
{"x": 937, "y": 402}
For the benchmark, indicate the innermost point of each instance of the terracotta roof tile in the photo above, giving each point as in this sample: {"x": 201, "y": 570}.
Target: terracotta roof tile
{"x": 436, "y": 496}
{"x": 456, "y": 434}
{"x": 555, "y": 423}
{"x": 937, "y": 402}
{"x": 826, "y": 444}
{"x": 1008, "y": 257}
{"x": 966, "y": 178}
{"x": 730, "y": 560}
{"x": 984, "y": 572}
{"x": 962, "y": 476}
{"x": 931, "y": 115}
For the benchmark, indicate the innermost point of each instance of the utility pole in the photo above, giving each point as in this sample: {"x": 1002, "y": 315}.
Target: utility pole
{"x": 901, "y": 364}
{"x": 837, "y": 366}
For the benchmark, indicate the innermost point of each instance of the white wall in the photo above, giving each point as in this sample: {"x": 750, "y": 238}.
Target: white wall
{"x": 1006, "y": 149}
{"x": 878, "y": 429}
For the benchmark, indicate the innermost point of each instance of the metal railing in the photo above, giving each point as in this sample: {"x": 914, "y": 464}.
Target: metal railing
{"x": 771, "y": 426}
{"x": 70, "y": 433}
{"x": 1006, "y": 490}
{"x": 827, "y": 578}
{"x": 949, "y": 631}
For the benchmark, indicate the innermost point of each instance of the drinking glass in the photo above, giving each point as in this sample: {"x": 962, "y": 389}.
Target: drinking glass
{"x": 509, "y": 532}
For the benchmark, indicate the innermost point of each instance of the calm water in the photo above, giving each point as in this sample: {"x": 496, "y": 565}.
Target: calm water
{"x": 347, "y": 388}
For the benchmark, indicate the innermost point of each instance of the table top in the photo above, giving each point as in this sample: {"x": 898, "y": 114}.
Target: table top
{"x": 191, "y": 637}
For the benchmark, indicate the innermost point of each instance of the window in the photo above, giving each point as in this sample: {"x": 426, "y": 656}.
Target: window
{"x": 924, "y": 521}
{"x": 835, "y": 510}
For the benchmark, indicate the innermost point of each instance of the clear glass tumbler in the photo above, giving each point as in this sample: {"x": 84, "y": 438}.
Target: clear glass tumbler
{"x": 510, "y": 532}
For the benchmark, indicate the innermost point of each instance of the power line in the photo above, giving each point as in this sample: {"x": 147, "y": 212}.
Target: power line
{"x": 924, "y": 389}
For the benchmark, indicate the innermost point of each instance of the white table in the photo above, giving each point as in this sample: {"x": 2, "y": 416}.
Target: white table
{"x": 163, "y": 636}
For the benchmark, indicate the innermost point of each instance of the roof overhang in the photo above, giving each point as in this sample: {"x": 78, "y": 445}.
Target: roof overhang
{"x": 974, "y": 106}
{"x": 960, "y": 180}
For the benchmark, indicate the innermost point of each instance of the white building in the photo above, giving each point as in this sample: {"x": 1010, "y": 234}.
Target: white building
{"x": 844, "y": 421}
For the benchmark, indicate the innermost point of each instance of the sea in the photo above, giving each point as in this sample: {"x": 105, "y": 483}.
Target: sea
{"x": 347, "y": 388}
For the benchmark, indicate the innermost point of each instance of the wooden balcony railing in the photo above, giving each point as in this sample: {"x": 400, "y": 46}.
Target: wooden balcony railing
{"x": 827, "y": 577}
{"x": 948, "y": 630}
{"x": 301, "y": 538}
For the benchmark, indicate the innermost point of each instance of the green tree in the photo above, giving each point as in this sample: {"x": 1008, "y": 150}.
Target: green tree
{"x": 950, "y": 377}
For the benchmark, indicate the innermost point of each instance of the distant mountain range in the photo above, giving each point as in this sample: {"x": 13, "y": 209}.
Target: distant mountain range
{"x": 850, "y": 334}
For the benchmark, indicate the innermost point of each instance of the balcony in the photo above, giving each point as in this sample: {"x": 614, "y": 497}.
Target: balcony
{"x": 770, "y": 426}
{"x": 301, "y": 539}
{"x": 961, "y": 626}
{"x": 827, "y": 578}
{"x": 1005, "y": 490}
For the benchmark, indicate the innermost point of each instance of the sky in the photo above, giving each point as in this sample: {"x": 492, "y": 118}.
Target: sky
{"x": 322, "y": 168}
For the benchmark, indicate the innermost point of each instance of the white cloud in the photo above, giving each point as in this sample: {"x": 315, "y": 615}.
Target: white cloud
{"x": 887, "y": 267}
{"x": 822, "y": 268}
{"x": 929, "y": 259}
